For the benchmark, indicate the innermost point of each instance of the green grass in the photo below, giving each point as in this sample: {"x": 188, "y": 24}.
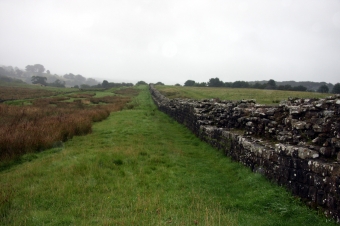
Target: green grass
{"x": 140, "y": 167}
{"x": 261, "y": 96}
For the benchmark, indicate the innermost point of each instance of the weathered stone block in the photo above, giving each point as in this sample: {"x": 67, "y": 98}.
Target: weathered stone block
{"x": 312, "y": 193}
{"x": 321, "y": 197}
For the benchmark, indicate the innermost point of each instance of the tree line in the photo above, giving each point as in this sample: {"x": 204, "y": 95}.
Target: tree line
{"x": 37, "y": 74}
{"x": 271, "y": 84}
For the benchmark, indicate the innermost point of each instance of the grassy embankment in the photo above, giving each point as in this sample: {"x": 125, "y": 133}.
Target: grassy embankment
{"x": 262, "y": 96}
{"x": 139, "y": 167}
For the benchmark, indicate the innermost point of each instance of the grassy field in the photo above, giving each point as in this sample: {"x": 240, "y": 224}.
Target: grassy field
{"x": 261, "y": 96}
{"x": 31, "y": 124}
{"x": 140, "y": 167}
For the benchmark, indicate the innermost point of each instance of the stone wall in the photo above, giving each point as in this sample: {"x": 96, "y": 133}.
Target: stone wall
{"x": 296, "y": 144}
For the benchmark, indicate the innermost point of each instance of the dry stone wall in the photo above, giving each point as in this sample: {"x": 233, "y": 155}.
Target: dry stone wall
{"x": 296, "y": 144}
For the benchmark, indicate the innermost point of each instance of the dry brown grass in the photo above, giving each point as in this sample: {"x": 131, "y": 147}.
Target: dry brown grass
{"x": 106, "y": 99}
{"x": 39, "y": 126}
{"x": 82, "y": 95}
{"x": 127, "y": 92}
{"x": 15, "y": 93}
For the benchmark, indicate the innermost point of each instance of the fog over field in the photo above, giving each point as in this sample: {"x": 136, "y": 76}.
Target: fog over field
{"x": 173, "y": 41}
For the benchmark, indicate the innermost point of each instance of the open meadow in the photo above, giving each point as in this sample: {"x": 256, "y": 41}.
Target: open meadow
{"x": 138, "y": 167}
{"x": 262, "y": 96}
{"x": 29, "y": 123}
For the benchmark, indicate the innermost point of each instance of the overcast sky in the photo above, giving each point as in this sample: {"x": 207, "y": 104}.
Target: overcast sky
{"x": 175, "y": 40}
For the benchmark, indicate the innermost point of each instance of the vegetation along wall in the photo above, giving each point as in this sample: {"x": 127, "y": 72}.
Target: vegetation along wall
{"x": 296, "y": 144}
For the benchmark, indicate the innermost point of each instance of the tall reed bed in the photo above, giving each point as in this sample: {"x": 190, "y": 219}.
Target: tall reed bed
{"x": 39, "y": 126}
{"x": 15, "y": 93}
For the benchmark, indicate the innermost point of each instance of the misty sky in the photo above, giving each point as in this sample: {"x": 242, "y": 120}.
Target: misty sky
{"x": 175, "y": 40}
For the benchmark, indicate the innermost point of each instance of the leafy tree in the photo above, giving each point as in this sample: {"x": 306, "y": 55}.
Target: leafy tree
{"x": 37, "y": 68}
{"x": 39, "y": 80}
{"x": 177, "y": 84}
{"x": 19, "y": 72}
{"x": 57, "y": 83}
{"x": 258, "y": 85}
{"x": 240, "y": 84}
{"x": 271, "y": 84}
{"x": 299, "y": 88}
{"x": 202, "y": 84}
{"x": 91, "y": 81}
{"x": 336, "y": 88}
{"x": 2, "y": 71}
{"x": 69, "y": 76}
{"x": 323, "y": 89}
{"x": 189, "y": 83}
{"x": 48, "y": 72}
{"x": 228, "y": 84}
{"x": 160, "y": 83}
{"x": 141, "y": 83}
{"x": 80, "y": 79}
{"x": 105, "y": 84}
{"x": 215, "y": 82}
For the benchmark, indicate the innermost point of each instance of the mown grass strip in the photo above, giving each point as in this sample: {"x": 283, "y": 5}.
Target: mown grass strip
{"x": 140, "y": 167}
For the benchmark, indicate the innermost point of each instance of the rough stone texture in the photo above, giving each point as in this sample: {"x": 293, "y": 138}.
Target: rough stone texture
{"x": 296, "y": 144}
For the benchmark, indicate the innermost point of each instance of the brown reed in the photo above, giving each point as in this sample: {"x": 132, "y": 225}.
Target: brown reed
{"x": 39, "y": 126}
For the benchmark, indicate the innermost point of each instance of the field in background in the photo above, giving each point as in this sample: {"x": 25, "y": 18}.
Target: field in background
{"x": 261, "y": 96}
{"x": 140, "y": 167}
{"x": 29, "y": 123}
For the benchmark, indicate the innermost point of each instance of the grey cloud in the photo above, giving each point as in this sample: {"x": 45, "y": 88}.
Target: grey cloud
{"x": 172, "y": 41}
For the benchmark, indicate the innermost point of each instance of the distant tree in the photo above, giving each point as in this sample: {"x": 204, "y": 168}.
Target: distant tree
{"x": 177, "y": 84}
{"x": 35, "y": 69}
{"x": 141, "y": 83}
{"x": 48, "y": 72}
{"x": 84, "y": 86}
{"x": 258, "y": 85}
{"x": 323, "y": 89}
{"x": 160, "y": 83}
{"x": 240, "y": 84}
{"x": 3, "y": 71}
{"x": 91, "y": 81}
{"x": 336, "y": 88}
{"x": 39, "y": 80}
{"x": 76, "y": 86}
{"x": 19, "y": 72}
{"x": 202, "y": 84}
{"x": 29, "y": 68}
{"x": 215, "y": 82}
{"x": 80, "y": 79}
{"x": 189, "y": 83}
{"x": 105, "y": 84}
{"x": 271, "y": 84}
{"x": 228, "y": 84}
{"x": 299, "y": 88}
{"x": 69, "y": 76}
{"x": 288, "y": 87}
{"x": 57, "y": 83}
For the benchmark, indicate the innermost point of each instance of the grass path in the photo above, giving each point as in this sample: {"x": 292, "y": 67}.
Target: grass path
{"x": 139, "y": 167}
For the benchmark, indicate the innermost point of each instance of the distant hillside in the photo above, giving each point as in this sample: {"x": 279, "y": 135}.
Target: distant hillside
{"x": 4, "y": 78}
{"x": 313, "y": 86}
{"x": 69, "y": 80}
